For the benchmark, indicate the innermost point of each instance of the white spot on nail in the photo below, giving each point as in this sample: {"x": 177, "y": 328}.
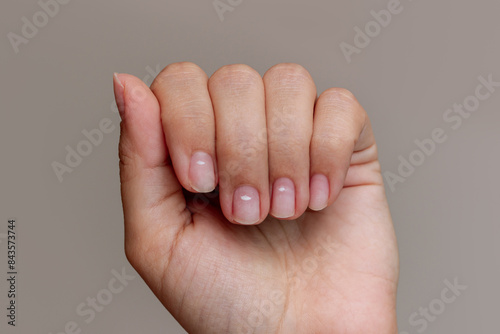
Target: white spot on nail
{"x": 246, "y": 198}
{"x": 201, "y": 163}
{"x": 281, "y": 189}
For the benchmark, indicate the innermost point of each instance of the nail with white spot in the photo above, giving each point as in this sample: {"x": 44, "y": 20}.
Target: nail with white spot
{"x": 246, "y": 205}
{"x": 283, "y": 201}
{"x": 202, "y": 172}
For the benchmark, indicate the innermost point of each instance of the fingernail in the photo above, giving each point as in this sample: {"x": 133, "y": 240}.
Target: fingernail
{"x": 283, "y": 202}
{"x": 320, "y": 191}
{"x": 246, "y": 205}
{"x": 202, "y": 172}
{"x": 119, "y": 94}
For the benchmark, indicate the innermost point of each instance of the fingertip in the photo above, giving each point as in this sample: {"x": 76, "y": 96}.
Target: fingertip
{"x": 131, "y": 90}
{"x": 141, "y": 123}
{"x": 123, "y": 84}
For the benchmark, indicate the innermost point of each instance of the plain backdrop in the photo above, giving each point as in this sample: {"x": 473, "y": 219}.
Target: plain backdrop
{"x": 59, "y": 83}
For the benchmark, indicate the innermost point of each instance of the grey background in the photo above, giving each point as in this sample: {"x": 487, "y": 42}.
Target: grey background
{"x": 70, "y": 233}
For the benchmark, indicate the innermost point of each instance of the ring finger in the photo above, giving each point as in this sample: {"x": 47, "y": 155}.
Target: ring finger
{"x": 290, "y": 97}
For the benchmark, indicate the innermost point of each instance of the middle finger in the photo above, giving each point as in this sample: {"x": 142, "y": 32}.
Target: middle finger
{"x": 237, "y": 93}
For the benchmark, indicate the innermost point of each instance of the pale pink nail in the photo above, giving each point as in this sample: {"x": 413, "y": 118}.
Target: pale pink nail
{"x": 320, "y": 191}
{"x": 283, "y": 202}
{"x": 246, "y": 205}
{"x": 201, "y": 172}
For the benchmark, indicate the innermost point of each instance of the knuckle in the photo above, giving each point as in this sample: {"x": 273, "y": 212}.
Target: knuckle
{"x": 238, "y": 157}
{"x": 289, "y": 146}
{"x": 290, "y": 143}
{"x": 178, "y": 72}
{"x": 191, "y": 122}
{"x": 288, "y": 75}
{"x": 236, "y": 75}
{"x": 338, "y": 96}
{"x": 290, "y": 79}
{"x": 243, "y": 148}
{"x": 343, "y": 101}
{"x": 125, "y": 152}
{"x": 191, "y": 109}
{"x": 127, "y": 159}
{"x": 291, "y": 136}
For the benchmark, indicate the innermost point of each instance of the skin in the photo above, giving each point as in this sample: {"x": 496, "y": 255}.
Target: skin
{"x": 330, "y": 266}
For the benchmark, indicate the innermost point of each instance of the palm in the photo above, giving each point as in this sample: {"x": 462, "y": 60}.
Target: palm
{"x": 338, "y": 264}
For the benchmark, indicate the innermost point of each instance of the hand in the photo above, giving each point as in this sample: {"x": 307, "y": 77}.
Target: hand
{"x": 318, "y": 253}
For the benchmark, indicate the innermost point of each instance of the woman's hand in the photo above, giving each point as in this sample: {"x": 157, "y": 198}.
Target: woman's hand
{"x": 318, "y": 251}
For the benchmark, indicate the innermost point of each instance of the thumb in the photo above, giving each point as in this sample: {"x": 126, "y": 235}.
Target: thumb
{"x": 154, "y": 207}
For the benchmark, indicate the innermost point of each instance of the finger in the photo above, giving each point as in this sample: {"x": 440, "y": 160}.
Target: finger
{"x": 188, "y": 123}
{"x": 237, "y": 93}
{"x": 149, "y": 187}
{"x": 341, "y": 128}
{"x": 290, "y": 97}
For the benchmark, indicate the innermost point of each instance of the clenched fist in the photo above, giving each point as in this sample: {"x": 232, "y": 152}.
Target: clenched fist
{"x": 253, "y": 206}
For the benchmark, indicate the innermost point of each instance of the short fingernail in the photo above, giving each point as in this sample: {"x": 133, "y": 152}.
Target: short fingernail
{"x": 119, "y": 94}
{"x": 320, "y": 191}
{"x": 283, "y": 202}
{"x": 246, "y": 205}
{"x": 202, "y": 173}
